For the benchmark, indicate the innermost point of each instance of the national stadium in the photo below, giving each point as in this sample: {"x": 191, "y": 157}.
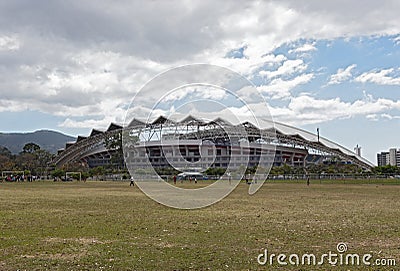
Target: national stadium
{"x": 193, "y": 144}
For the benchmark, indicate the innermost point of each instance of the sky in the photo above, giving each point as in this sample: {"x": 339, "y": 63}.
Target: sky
{"x": 72, "y": 66}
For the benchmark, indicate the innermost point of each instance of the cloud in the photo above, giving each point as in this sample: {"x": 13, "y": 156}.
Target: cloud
{"x": 384, "y": 116}
{"x": 373, "y": 117}
{"x": 288, "y": 67}
{"x": 305, "y": 48}
{"x": 396, "y": 40}
{"x": 197, "y": 92}
{"x": 9, "y": 43}
{"x": 247, "y": 66}
{"x": 68, "y": 58}
{"x": 281, "y": 89}
{"x": 383, "y": 77}
{"x": 305, "y": 109}
{"x": 342, "y": 75}
{"x": 308, "y": 110}
{"x": 389, "y": 116}
{"x": 81, "y": 87}
{"x": 101, "y": 124}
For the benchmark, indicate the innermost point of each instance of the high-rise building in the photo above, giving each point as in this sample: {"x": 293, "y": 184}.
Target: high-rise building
{"x": 383, "y": 159}
{"x": 398, "y": 158}
{"x": 391, "y": 157}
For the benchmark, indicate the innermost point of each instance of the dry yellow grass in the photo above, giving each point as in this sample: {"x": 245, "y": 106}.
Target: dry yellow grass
{"x": 111, "y": 226}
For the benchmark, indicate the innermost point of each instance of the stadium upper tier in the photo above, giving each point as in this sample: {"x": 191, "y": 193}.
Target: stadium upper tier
{"x": 190, "y": 128}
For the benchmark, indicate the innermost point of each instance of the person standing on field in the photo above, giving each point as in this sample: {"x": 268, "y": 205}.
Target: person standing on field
{"x": 132, "y": 182}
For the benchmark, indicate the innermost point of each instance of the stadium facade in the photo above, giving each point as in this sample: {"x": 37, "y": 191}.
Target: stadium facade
{"x": 193, "y": 144}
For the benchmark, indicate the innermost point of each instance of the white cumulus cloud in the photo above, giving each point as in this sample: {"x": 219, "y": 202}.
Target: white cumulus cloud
{"x": 288, "y": 67}
{"x": 307, "y": 47}
{"x": 281, "y": 89}
{"x": 383, "y": 77}
{"x": 308, "y": 110}
{"x": 9, "y": 43}
{"x": 342, "y": 75}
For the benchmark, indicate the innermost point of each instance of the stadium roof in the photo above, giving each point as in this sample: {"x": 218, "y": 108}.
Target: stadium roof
{"x": 136, "y": 123}
{"x": 95, "y": 132}
{"x": 114, "y": 127}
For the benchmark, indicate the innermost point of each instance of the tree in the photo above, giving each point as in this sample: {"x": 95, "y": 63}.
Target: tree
{"x": 30, "y": 148}
{"x": 166, "y": 171}
{"x": 97, "y": 171}
{"x": 218, "y": 171}
{"x": 43, "y": 159}
{"x": 58, "y": 173}
{"x": 113, "y": 143}
{"x": 251, "y": 170}
{"x": 6, "y": 163}
{"x": 85, "y": 175}
{"x": 388, "y": 169}
{"x": 34, "y": 159}
{"x": 27, "y": 161}
{"x": 276, "y": 170}
{"x": 6, "y": 159}
{"x": 5, "y": 152}
{"x": 287, "y": 170}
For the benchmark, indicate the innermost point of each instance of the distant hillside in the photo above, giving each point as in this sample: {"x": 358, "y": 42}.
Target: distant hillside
{"x": 47, "y": 140}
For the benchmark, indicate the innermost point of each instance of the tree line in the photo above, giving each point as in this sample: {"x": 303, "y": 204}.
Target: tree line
{"x": 38, "y": 162}
{"x": 31, "y": 158}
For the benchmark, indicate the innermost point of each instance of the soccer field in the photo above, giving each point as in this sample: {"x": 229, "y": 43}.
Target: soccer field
{"x": 111, "y": 226}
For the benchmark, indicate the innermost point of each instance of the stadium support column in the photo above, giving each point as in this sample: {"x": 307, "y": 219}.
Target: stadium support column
{"x": 292, "y": 158}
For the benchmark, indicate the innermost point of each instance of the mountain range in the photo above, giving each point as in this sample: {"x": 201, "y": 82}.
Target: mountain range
{"x": 47, "y": 140}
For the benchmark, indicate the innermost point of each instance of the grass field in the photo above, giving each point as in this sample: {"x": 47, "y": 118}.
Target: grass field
{"x": 111, "y": 226}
